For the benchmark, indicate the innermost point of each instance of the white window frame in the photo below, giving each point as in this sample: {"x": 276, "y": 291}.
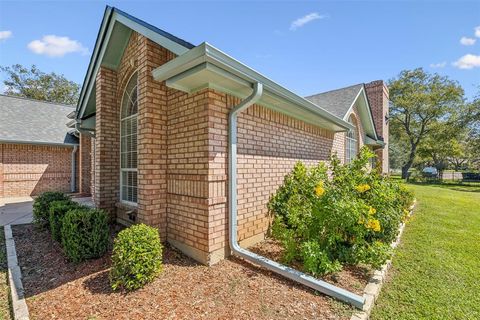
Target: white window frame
{"x": 351, "y": 142}
{"x": 122, "y": 120}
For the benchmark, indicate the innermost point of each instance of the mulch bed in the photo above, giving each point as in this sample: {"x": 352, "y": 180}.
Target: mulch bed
{"x": 231, "y": 289}
{"x": 352, "y": 278}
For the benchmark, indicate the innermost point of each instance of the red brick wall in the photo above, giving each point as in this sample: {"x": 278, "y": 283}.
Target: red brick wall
{"x": 378, "y": 98}
{"x": 107, "y": 144}
{"x": 27, "y": 170}
{"x": 269, "y": 144}
{"x": 182, "y": 164}
{"x": 84, "y": 164}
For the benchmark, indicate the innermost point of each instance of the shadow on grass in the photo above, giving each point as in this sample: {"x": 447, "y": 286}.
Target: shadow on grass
{"x": 456, "y": 186}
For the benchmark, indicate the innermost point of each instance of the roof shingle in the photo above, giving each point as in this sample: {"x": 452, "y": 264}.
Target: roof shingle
{"x": 337, "y": 101}
{"x": 32, "y": 121}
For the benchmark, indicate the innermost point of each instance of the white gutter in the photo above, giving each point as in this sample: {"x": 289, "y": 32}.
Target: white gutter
{"x": 285, "y": 271}
{"x": 73, "y": 180}
{"x": 206, "y": 53}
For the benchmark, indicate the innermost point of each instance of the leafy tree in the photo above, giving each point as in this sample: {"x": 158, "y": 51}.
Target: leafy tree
{"x": 35, "y": 84}
{"x": 420, "y": 101}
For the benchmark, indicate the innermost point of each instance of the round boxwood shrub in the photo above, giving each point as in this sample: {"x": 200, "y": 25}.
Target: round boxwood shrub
{"x": 58, "y": 210}
{"x": 136, "y": 258}
{"x": 85, "y": 234}
{"x": 41, "y": 206}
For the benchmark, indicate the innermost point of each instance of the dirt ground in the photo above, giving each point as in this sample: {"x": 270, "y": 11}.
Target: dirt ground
{"x": 231, "y": 289}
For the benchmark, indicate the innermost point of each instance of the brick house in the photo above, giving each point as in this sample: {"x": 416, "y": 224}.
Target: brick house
{"x": 156, "y": 112}
{"x": 38, "y": 152}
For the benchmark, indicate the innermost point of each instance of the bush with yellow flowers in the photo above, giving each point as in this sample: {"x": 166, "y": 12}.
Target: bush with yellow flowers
{"x": 341, "y": 214}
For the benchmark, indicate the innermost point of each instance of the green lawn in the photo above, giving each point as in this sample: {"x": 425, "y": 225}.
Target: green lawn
{"x": 436, "y": 268}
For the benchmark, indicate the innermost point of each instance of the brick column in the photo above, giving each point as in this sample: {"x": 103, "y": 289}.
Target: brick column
{"x": 84, "y": 164}
{"x": 107, "y": 141}
{"x": 152, "y": 139}
{"x": 378, "y": 98}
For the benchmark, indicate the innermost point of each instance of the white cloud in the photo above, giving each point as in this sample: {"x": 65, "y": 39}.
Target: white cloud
{"x": 300, "y": 22}
{"x": 438, "y": 65}
{"x": 4, "y": 35}
{"x": 477, "y": 32}
{"x": 55, "y": 46}
{"x": 468, "y": 61}
{"x": 467, "y": 41}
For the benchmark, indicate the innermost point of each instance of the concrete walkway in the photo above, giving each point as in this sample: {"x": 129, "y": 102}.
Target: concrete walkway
{"x": 19, "y": 210}
{"x": 16, "y": 210}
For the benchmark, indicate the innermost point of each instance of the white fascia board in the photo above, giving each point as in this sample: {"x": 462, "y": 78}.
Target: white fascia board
{"x": 362, "y": 93}
{"x": 108, "y": 22}
{"x": 172, "y": 46}
{"x": 39, "y": 143}
{"x": 207, "y": 53}
{"x": 87, "y": 83}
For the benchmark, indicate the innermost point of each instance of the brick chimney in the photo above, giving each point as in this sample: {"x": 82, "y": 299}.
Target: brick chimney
{"x": 377, "y": 94}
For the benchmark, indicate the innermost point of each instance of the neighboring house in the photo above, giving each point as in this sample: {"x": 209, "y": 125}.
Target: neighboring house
{"x": 157, "y": 108}
{"x": 37, "y": 149}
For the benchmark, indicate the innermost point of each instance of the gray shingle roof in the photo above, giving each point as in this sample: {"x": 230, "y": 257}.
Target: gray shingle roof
{"x": 336, "y": 101}
{"x": 32, "y": 121}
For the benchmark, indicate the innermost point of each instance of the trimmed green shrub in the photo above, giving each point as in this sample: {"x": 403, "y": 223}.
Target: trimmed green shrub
{"x": 85, "y": 234}
{"x": 58, "y": 210}
{"x": 136, "y": 258}
{"x": 41, "y": 206}
{"x": 348, "y": 218}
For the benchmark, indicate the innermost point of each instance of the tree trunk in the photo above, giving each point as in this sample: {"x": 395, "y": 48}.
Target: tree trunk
{"x": 409, "y": 163}
{"x": 405, "y": 169}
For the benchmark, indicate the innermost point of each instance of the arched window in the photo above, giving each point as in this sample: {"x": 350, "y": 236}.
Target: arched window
{"x": 351, "y": 142}
{"x": 128, "y": 142}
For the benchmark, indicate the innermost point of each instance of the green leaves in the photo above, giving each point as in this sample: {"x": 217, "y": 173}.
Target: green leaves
{"x": 41, "y": 206}
{"x": 58, "y": 210}
{"x": 352, "y": 220}
{"x": 85, "y": 234}
{"x": 35, "y": 84}
{"x": 136, "y": 258}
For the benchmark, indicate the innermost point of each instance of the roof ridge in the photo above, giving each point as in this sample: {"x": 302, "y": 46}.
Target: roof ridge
{"x": 37, "y": 100}
{"x": 353, "y": 85}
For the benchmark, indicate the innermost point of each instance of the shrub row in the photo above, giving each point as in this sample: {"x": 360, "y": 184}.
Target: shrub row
{"x": 84, "y": 234}
{"x": 347, "y": 217}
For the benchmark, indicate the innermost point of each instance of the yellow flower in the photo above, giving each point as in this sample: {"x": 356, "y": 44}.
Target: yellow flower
{"x": 362, "y": 188}
{"x": 372, "y": 211}
{"x": 319, "y": 190}
{"x": 374, "y": 224}
{"x": 361, "y": 220}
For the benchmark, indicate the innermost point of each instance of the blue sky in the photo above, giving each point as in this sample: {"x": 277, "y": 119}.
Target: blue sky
{"x": 309, "y": 47}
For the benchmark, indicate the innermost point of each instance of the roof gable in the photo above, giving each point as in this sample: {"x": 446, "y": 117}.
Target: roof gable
{"x": 341, "y": 102}
{"x": 338, "y": 101}
{"x": 34, "y": 122}
{"x": 111, "y": 42}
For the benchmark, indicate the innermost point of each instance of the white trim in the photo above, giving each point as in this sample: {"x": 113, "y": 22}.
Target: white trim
{"x": 207, "y": 53}
{"x": 370, "y": 116}
{"x": 109, "y": 19}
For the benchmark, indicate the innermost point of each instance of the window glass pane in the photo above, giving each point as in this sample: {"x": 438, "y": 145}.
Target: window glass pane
{"x": 128, "y": 141}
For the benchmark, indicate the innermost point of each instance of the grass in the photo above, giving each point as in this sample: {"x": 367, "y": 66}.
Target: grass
{"x": 436, "y": 269}
{"x": 4, "y": 290}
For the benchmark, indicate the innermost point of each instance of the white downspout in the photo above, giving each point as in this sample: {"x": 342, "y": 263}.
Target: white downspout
{"x": 285, "y": 271}
{"x": 73, "y": 180}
